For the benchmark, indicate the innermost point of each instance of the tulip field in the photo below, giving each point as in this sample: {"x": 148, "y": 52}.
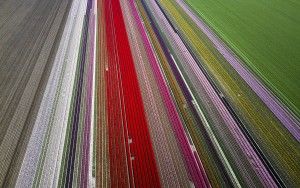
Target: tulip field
{"x": 149, "y": 93}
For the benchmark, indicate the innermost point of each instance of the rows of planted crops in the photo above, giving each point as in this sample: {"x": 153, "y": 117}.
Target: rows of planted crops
{"x": 140, "y": 93}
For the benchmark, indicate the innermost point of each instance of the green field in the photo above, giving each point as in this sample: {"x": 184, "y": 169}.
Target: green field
{"x": 266, "y": 35}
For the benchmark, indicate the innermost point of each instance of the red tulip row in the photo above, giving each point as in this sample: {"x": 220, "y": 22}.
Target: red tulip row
{"x": 132, "y": 161}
